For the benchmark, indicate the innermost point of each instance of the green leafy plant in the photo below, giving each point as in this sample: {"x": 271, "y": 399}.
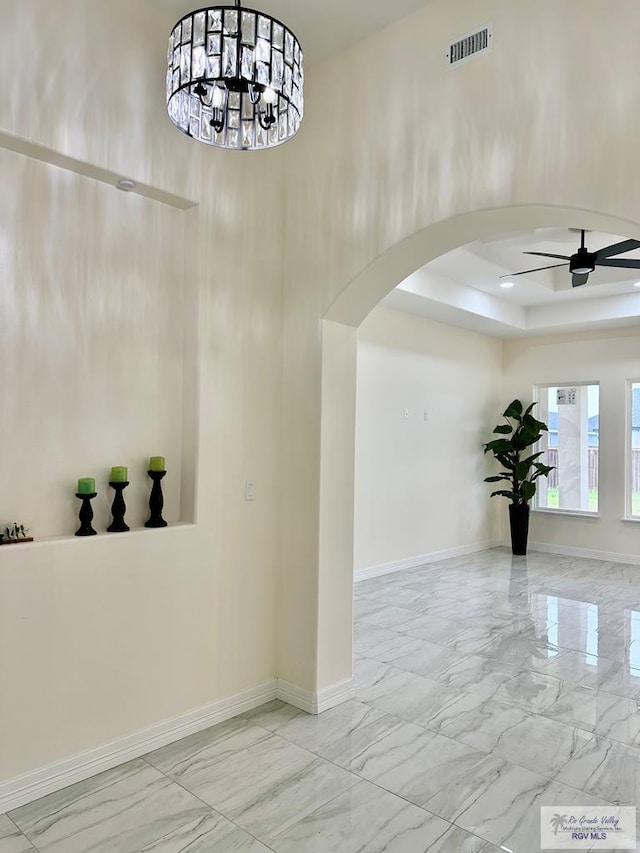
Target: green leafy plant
{"x": 520, "y": 432}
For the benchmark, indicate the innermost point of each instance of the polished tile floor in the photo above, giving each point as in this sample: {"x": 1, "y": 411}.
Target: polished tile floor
{"x": 487, "y": 686}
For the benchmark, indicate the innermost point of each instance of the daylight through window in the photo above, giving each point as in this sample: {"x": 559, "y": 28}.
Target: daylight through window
{"x": 572, "y": 413}
{"x": 633, "y": 490}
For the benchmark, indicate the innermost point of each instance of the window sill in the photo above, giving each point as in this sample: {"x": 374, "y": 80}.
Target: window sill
{"x": 577, "y": 513}
{"x": 634, "y": 519}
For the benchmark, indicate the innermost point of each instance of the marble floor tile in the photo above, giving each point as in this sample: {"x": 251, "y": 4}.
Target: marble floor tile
{"x": 363, "y": 605}
{"x": 575, "y": 705}
{"x": 210, "y": 834}
{"x": 381, "y": 644}
{"x": 264, "y": 787}
{"x": 371, "y": 586}
{"x": 399, "y": 596}
{"x": 348, "y": 749}
{"x": 11, "y": 839}
{"x": 316, "y": 732}
{"x": 458, "y": 636}
{"x": 405, "y": 646}
{"x": 478, "y": 674}
{"x": 622, "y": 679}
{"x": 367, "y": 818}
{"x": 200, "y": 751}
{"x": 413, "y": 762}
{"x": 605, "y": 769}
{"x": 375, "y": 680}
{"x": 532, "y": 691}
{"x": 434, "y": 629}
{"x": 489, "y": 799}
{"x": 272, "y": 715}
{"x": 387, "y": 616}
{"x": 476, "y": 721}
{"x": 519, "y": 650}
{"x": 427, "y": 659}
{"x": 540, "y": 744}
{"x": 129, "y": 809}
{"x": 501, "y": 802}
{"x": 418, "y": 699}
{"x": 487, "y": 686}
{"x": 576, "y": 667}
{"x": 617, "y": 718}
{"x": 611, "y": 647}
{"x": 523, "y": 827}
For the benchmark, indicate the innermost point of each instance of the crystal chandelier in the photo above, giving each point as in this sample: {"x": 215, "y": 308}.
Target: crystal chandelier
{"x": 234, "y": 78}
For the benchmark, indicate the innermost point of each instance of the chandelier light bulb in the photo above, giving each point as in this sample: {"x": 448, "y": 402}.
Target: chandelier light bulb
{"x": 235, "y": 78}
{"x": 217, "y": 99}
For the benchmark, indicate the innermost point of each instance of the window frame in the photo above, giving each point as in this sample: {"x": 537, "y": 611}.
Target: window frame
{"x": 628, "y": 452}
{"x": 582, "y": 513}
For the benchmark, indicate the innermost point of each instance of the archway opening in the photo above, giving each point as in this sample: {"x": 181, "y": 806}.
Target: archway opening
{"x": 340, "y": 324}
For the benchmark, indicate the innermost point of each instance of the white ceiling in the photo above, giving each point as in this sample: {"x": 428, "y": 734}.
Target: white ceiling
{"x": 463, "y": 287}
{"x": 322, "y": 28}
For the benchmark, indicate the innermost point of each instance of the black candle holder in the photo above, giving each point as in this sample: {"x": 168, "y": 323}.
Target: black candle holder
{"x": 86, "y": 515}
{"x": 118, "y": 509}
{"x": 156, "y": 501}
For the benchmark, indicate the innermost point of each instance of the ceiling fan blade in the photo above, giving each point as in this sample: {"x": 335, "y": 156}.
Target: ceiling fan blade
{"x": 526, "y": 272}
{"x": 621, "y": 263}
{"x": 617, "y": 249}
{"x": 547, "y": 255}
{"x": 578, "y": 279}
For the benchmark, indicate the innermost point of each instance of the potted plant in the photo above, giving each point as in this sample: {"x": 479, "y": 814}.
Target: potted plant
{"x": 520, "y": 432}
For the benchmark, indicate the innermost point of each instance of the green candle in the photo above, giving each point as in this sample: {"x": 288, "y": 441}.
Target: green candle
{"x": 86, "y": 486}
{"x": 119, "y": 474}
{"x": 156, "y": 463}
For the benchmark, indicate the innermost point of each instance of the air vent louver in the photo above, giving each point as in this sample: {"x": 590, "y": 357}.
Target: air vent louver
{"x": 469, "y": 46}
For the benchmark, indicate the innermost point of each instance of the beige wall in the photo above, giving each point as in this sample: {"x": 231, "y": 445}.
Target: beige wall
{"x": 393, "y": 148}
{"x": 610, "y": 358}
{"x": 104, "y": 636}
{"x": 419, "y": 484}
{"x": 247, "y": 593}
{"x": 92, "y": 345}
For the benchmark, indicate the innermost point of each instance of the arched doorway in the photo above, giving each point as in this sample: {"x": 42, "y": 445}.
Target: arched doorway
{"x": 339, "y": 339}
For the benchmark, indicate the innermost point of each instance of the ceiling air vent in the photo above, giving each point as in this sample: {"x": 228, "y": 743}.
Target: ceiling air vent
{"x": 469, "y": 46}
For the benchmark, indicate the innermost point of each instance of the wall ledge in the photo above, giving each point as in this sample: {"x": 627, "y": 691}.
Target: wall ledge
{"x": 92, "y": 541}
{"x": 421, "y": 560}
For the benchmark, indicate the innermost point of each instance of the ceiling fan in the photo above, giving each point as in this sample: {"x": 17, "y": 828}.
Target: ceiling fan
{"x": 584, "y": 262}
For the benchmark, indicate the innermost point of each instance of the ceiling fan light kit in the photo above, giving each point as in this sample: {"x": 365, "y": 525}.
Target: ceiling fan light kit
{"x": 583, "y": 262}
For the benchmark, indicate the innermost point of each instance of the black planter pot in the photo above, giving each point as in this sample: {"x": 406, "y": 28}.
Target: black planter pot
{"x": 519, "y": 522}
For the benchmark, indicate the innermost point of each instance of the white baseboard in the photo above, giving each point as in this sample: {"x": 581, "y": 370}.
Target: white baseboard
{"x": 53, "y": 777}
{"x": 318, "y": 701}
{"x": 421, "y": 560}
{"x": 587, "y": 553}
{"x": 334, "y": 695}
{"x": 296, "y": 696}
{"x": 30, "y": 786}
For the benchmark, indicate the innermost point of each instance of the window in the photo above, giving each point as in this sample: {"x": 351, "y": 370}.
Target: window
{"x": 633, "y": 476}
{"x": 572, "y": 413}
